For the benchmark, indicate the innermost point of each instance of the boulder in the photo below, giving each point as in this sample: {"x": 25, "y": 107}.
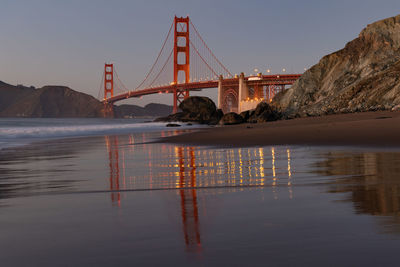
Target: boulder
{"x": 196, "y": 109}
{"x": 231, "y": 118}
{"x": 198, "y": 104}
{"x": 172, "y": 125}
{"x": 396, "y": 108}
{"x": 264, "y": 112}
{"x": 245, "y": 115}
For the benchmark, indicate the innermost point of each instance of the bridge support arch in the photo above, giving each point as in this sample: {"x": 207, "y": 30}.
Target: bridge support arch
{"x": 228, "y": 95}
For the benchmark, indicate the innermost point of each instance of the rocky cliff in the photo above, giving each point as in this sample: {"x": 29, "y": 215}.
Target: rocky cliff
{"x": 363, "y": 76}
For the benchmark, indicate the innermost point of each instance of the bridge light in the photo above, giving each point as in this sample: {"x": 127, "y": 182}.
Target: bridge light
{"x": 255, "y": 70}
{"x": 284, "y": 70}
{"x": 268, "y": 70}
{"x": 305, "y": 69}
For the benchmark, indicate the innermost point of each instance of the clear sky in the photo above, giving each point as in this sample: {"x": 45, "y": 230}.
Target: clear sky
{"x": 66, "y": 42}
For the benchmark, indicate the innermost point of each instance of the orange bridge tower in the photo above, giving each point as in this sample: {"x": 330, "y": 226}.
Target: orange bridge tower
{"x": 108, "y": 88}
{"x": 181, "y": 63}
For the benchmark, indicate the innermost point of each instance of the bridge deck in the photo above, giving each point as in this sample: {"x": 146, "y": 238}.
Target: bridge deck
{"x": 286, "y": 79}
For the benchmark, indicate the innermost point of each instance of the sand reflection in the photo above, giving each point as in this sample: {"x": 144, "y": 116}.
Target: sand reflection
{"x": 372, "y": 180}
{"x": 163, "y": 166}
{"x": 190, "y": 169}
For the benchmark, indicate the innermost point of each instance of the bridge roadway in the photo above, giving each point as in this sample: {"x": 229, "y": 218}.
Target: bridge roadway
{"x": 279, "y": 79}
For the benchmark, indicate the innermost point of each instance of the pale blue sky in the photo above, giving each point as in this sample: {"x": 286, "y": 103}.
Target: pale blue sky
{"x": 67, "y": 42}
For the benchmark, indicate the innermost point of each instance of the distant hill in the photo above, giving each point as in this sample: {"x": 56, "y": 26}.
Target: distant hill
{"x": 9, "y": 94}
{"x": 150, "y": 110}
{"x": 48, "y": 102}
{"x": 63, "y": 102}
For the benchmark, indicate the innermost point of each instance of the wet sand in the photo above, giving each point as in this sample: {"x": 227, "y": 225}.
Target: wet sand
{"x": 117, "y": 200}
{"x": 380, "y": 128}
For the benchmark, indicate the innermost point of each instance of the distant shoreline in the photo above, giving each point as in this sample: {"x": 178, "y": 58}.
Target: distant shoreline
{"x": 376, "y": 129}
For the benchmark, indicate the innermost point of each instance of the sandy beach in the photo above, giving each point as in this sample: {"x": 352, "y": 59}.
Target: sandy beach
{"x": 380, "y": 128}
{"x": 99, "y": 182}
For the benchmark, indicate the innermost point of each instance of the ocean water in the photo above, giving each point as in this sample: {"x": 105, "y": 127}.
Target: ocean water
{"x": 22, "y": 131}
{"x": 95, "y": 192}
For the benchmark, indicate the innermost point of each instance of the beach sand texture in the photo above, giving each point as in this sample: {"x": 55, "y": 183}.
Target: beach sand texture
{"x": 380, "y": 128}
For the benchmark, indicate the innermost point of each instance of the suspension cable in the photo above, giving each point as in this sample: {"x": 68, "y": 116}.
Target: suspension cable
{"x": 170, "y": 54}
{"x": 159, "y": 54}
{"x": 203, "y": 59}
{"x": 210, "y": 50}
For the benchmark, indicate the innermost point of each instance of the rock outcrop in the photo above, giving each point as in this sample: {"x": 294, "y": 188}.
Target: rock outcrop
{"x": 363, "y": 76}
{"x": 196, "y": 109}
{"x": 263, "y": 113}
{"x": 231, "y": 119}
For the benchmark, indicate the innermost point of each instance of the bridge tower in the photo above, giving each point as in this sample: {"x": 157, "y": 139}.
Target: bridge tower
{"x": 181, "y": 35}
{"x": 108, "y": 80}
{"x": 108, "y": 88}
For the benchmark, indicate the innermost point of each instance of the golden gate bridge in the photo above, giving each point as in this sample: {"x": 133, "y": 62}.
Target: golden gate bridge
{"x": 185, "y": 63}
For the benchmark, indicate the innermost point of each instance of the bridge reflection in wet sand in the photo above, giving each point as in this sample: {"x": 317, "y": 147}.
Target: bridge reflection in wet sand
{"x": 197, "y": 205}
{"x": 189, "y": 169}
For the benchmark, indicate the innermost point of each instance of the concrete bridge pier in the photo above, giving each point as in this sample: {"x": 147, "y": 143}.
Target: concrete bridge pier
{"x": 243, "y": 92}
{"x": 220, "y": 92}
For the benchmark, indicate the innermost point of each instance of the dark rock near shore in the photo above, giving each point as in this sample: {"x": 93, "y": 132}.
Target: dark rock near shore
{"x": 263, "y": 113}
{"x": 231, "y": 119}
{"x": 245, "y": 115}
{"x": 363, "y": 76}
{"x": 172, "y": 125}
{"x": 197, "y": 104}
{"x": 196, "y": 109}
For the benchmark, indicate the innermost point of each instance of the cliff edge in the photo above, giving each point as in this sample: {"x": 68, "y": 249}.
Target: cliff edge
{"x": 363, "y": 76}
